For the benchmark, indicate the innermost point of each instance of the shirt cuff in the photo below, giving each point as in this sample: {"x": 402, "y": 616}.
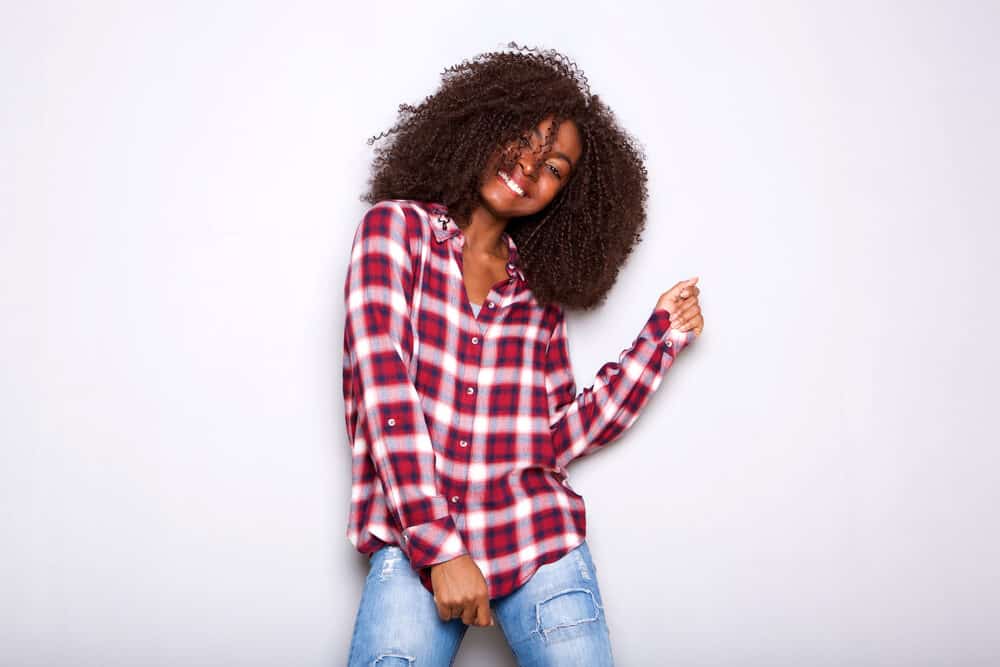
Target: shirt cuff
{"x": 433, "y": 542}
{"x": 658, "y": 328}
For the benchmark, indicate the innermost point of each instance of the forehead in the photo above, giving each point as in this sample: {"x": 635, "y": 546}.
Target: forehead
{"x": 566, "y": 140}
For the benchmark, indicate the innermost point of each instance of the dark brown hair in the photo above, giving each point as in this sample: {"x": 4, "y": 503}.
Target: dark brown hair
{"x": 440, "y": 147}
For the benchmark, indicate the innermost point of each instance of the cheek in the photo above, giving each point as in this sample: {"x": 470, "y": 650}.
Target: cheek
{"x": 495, "y": 163}
{"x": 548, "y": 189}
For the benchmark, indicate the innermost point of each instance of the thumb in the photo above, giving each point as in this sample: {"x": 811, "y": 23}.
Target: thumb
{"x": 684, "y": 284}
{"x": 676, "y": 289}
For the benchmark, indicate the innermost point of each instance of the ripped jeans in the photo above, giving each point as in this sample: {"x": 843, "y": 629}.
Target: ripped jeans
{"x": 556, "y": 618}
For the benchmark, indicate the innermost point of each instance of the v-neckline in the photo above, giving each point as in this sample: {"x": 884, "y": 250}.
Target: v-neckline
{"x": 459, "y": 257}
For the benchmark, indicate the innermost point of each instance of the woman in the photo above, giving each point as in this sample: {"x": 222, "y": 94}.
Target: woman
{"x": 506, "y": 196}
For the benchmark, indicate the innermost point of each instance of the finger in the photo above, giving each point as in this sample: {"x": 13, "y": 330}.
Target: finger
{"x": 685, "y": 301}
{"x": 683, "y": 315}
{"x": 493, "y": 618}
{"x": 483, "y": 617}
{"x": 689, "y": 320}
{"x": 444, "y": 612}
{"x": 685, "y": 308}
{"x": 469, "y": 614}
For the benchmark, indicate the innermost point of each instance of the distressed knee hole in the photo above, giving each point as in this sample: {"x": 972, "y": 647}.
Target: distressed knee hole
{"x": 567, "y": 613}
{"x": 393, "y": 658}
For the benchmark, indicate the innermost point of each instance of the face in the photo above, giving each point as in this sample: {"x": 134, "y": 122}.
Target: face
{"x": 538, "y": 172}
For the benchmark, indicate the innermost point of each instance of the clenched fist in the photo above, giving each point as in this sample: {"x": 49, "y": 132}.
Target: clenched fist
{"x": 681, "y": 301}
{"x": 460, "y": 591}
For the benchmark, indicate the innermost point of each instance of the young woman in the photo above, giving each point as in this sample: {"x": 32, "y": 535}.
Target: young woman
{"x": 505, "y": 197}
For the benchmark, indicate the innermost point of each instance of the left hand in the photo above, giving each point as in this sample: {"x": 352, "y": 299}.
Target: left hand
{"x": 685, "y": 312}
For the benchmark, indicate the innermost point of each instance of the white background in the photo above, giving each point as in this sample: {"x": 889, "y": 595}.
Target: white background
{"x": 815, "y": 483}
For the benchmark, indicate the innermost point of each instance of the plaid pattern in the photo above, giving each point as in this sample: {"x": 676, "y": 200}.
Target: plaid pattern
{"x": 460, "y": 427}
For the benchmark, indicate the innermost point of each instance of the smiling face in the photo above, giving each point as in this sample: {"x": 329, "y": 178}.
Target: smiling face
{"x": 538, "y": 173}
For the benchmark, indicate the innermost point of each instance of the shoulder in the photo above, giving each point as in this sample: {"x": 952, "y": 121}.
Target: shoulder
{"x": 404, "y": 223}
{"x": 397, "y": 218}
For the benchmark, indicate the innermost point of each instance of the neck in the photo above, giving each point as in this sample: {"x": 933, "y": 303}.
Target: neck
{"x": 483, "y": 233}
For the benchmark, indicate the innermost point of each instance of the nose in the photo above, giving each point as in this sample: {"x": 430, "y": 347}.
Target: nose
{"x": 528, "y": 164}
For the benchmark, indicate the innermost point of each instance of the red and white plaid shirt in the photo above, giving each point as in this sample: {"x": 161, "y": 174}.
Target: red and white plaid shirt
{"x": 461, "y": 427}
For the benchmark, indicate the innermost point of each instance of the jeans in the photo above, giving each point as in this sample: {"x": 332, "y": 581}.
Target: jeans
{"x": 554, "y": 619}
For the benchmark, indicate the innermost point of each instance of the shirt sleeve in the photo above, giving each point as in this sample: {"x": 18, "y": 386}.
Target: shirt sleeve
{"x": 583, "y": 422}
{"x": 379, "y": 343}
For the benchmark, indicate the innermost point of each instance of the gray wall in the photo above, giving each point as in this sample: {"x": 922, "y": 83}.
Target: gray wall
{"x": 815, "y": 483}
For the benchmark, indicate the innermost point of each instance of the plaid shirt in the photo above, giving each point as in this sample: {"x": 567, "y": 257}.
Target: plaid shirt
{"x": 461, "y": 427}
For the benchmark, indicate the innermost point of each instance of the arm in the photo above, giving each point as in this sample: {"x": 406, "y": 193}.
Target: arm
{"x": 379, "y": 341}
{"x": 584, "y": 422}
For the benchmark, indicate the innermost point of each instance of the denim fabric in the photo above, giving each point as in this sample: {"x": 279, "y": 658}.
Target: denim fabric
{"x": 555, "y": 619}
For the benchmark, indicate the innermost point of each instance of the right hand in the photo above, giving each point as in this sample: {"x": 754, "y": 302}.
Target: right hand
{"x": 681, "y": 302}
{"x": 460, "y": 591}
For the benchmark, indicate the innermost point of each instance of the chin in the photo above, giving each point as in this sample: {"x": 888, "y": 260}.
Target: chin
{"x": 501, "y": 204}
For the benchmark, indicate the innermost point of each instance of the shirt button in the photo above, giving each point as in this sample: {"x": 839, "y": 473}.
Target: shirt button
{"x": 475, "y": 339}
{"x": 392, "y": 422}
{"x": 490, "y": 304}
{"x": 463, "y": 443}
{"x": 454, "y": 499}
{"x": 670, "y": 343}
{"x": 470, "y": 390}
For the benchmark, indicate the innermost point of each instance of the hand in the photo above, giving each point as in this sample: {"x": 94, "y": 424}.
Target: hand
{"x": 460, "y": 591}
{"x": 681, "y": 301}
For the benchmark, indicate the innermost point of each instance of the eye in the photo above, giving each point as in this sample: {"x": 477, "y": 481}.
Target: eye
{"x": 525, "y": 141}
{"x": 555, "y": 170}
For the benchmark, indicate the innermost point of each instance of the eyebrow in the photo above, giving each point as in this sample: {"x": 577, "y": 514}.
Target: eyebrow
{"x": 556, "y": 153}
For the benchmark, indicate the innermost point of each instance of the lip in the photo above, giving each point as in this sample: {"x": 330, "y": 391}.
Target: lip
{"x": 519, "y": 180}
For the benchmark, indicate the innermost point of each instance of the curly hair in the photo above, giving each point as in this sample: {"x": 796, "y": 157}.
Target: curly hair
{"x": 440, "y": 147}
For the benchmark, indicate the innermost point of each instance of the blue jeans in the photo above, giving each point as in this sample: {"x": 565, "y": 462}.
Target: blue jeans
{"x": 556, "y": 618}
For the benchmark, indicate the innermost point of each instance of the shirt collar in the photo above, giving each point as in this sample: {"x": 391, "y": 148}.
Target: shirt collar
{"x": 445, "y": 227}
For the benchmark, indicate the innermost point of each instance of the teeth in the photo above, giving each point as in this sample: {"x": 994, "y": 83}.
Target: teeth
{"x": 511, "y": 183}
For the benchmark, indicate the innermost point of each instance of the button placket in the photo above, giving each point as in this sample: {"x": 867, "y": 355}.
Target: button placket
{"x": 473, "y": 355}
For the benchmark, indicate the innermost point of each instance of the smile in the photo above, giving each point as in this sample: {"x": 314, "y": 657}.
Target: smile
{"x": 510, "y": 183}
